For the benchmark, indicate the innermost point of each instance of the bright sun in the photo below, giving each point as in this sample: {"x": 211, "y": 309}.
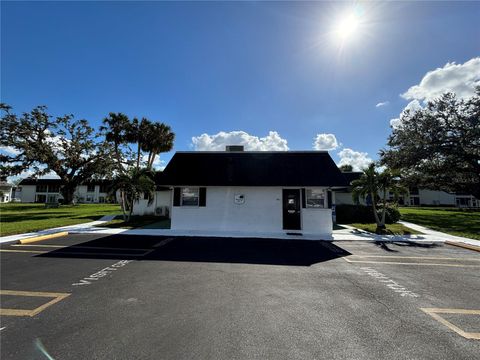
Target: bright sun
{"x": 347, "y": 27}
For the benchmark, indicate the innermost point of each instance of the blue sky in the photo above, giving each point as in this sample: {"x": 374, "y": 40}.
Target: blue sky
{"x": 255, "y": 67}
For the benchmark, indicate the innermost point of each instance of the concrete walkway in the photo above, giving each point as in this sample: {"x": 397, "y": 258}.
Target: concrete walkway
{"x": 69, "y": 228}
{"x": 347, "y": 233}
{"x": 439, "y": 235}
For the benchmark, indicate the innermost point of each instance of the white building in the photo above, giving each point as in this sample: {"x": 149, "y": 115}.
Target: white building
{"x": 415, "y": 196}
{"x": 32, "y": 190}
{"x": 6, "y": 192}
{"x": 254, "y": 192}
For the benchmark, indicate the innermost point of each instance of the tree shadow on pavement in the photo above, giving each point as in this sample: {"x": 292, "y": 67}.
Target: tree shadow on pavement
{"x": 388, "y": 245}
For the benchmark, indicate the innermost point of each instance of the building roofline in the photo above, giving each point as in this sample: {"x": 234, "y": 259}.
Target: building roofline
{"x": 251, "y": 152}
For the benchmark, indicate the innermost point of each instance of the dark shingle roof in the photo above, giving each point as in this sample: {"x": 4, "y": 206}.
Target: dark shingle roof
{"x": 350, "y": 176}
{"x": 292, "y": 168}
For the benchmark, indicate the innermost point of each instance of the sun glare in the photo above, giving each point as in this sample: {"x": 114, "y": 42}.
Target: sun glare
{"x": 347, "y": 27}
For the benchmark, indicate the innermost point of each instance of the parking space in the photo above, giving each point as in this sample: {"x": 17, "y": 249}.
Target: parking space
{"x": 124, "y": 297}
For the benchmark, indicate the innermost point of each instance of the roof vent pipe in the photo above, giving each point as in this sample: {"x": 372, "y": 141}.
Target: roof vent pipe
{"x": 230, "y": 148}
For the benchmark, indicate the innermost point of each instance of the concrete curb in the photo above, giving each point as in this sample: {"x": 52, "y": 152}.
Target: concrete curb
{"x": 463, "y": 245}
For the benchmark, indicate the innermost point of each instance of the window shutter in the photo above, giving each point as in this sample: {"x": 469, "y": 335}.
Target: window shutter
{"x": 176, "y": 196}
{"x": 329, "y": 199}
{"x": 304, "y": 199}
{"x": 202, "y": 201}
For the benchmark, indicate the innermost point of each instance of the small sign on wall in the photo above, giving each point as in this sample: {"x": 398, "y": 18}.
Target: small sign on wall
{"x": 239, "y": 199}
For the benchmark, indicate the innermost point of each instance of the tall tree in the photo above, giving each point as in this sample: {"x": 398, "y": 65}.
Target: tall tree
{"x": 438, "y": 146}
{"x": 377, "y": 185}
{"x": 136, "y": 144}
{"x": 368, "y": 186}
{"x": 41, "y": 143}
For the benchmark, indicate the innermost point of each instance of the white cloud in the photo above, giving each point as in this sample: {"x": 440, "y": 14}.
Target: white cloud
{"x": 358, "y": 160}
{"x": 412, "y": 107}
{"x": 158, "y": 164}
{"x": 217, "y": 142}
{"x": 325, "y": 142}
{"x": 383, "y": 103}
{"x": 458, "y": 78}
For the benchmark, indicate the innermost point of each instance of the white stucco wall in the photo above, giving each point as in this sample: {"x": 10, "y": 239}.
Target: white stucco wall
{"x": 7, "y": 194}
{"x": 261, "y": 212}
{"x": 162, "y": 198}
{"x": 432, "y": 197}
{"x": 28, "y": 193}
{"x": 343, "y": 198}
{"x": 317, "y": 221}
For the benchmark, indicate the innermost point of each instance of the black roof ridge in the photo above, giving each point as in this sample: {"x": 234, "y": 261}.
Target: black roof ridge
{"x": 250, "y": 152}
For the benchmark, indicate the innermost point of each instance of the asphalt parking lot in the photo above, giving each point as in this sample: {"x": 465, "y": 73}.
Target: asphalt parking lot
{"x": 126, "y": 297}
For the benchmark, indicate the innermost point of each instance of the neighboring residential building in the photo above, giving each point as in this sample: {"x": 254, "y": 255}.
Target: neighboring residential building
{"x": 251, "y": 192}
{"x": 414, "y": 197}
{"x": 33, "y": 190}
{"x": 6, "y": 191}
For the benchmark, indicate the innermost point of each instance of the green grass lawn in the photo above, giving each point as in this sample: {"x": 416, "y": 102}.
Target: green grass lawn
{"x": 460, "y": 222}
{"x": 17, "y": 218}
{"x": 146, "y": 221}
{"x": 392, "y": 229}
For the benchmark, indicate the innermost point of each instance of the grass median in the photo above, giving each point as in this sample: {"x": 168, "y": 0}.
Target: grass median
{"x": 393, "y": 229}
{"x": 454, "y": 221}
{"x": 18, "y": 218}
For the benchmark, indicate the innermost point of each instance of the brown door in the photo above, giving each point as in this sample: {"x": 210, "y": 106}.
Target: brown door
{"x": 291, "y": 209}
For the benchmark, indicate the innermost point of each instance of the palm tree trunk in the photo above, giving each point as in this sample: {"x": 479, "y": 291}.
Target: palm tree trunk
{"x": 151, "y": 160}
{"x": 138, "y": 156}
{"x": 382, "y": 224}
{"x": 375, "y": 214}
{"x": 130, "y": 210}
{"x": 124, "y": 212}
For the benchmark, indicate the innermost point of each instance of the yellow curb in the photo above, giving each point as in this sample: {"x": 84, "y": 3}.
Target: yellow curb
{"x": 462, "y": 245}
{"x": 43, "y": 237}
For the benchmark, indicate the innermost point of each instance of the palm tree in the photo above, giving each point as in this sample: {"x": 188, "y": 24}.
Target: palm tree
{"x": 158, "y": 139}
{"x": 389, "y": 181}
{"x": 117, "y": 128}
{"x": 368, "y": 185}
{"x": 371, "y": 183}
{"x": 132, "y": 179}
{"x": 133, "y": 184}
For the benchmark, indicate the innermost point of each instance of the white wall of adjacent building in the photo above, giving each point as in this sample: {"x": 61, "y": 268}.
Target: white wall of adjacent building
{"x": 161, "y": 204}
{"x": 29, "y": 194}
{"x": 6, "y": 194}
{"x": 432, "y": 197}
{"x": 261, "y": 212}
{"x": 423, "y": 197}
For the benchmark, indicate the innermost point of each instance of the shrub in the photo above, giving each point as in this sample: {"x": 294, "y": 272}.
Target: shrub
{"x": 347, "y": 214}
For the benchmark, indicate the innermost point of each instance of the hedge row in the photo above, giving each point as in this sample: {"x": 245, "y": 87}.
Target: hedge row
{"x": 348, "y": 214}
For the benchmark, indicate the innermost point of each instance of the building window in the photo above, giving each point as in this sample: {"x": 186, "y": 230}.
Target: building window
{"x": 52, "y": 199}
{"x": 41, "y": 188}
{"x": 41, "y": 199}
{"x": 315, "y": 198}
{"x": 103, "y": 188}
{"x": 189, "y": 196}
{"x": 464, "y": 202}
{"x": 54, "y": 188}
{"x": 90, "y": 188}
{"x": 101, "y": 199}
{"x": 413, "y": 191}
